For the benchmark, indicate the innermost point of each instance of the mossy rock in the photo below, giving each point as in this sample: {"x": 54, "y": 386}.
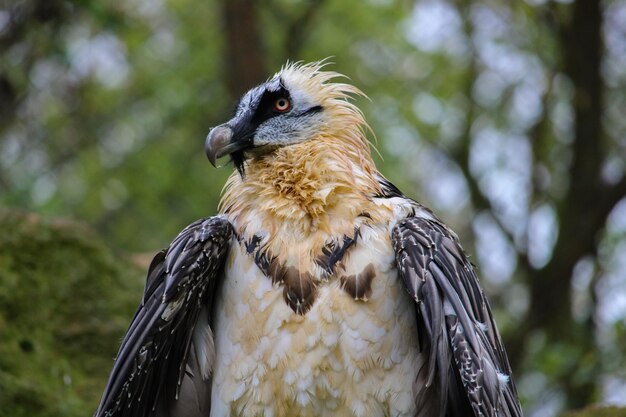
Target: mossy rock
{"x": 65, "y": 303}
{"x": 597, "y": 411}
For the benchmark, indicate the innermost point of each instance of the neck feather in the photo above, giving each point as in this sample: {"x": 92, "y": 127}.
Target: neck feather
{"x": 305, "y": 187}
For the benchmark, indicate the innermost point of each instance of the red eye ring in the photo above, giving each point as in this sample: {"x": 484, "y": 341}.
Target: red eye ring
{"x": 282, "y": 105}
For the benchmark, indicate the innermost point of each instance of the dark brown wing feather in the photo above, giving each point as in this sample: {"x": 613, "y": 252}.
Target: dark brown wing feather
{"x": 155, "y": 365}
{"x": 468, "y": 368}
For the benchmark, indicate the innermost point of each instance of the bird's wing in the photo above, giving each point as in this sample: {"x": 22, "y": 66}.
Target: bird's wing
{"x": 467, "y": 367}
{"x": 167, "y": 352}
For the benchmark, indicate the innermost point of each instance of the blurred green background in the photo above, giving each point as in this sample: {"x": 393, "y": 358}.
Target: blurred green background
{"x": 507, "y": 118}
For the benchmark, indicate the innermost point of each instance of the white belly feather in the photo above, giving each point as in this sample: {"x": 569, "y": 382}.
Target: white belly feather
{"x": 344, "y": 357}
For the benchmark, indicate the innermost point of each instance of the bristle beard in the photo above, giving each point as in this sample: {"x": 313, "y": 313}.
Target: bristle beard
{"x": 238, "y": 160}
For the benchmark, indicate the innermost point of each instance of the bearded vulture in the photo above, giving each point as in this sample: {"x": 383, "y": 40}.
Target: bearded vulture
{"x": 318, "y": 290}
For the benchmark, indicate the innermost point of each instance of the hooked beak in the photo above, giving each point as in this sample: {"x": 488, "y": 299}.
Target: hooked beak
{"x": 219, "y": 142}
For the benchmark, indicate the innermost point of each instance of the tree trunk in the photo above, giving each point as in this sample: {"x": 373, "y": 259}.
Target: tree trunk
{"x": 581, "y": 213}
{"x": 244, "y": 53}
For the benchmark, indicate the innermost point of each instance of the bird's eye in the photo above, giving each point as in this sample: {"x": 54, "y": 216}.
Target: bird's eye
{"x": 282, "y": 105}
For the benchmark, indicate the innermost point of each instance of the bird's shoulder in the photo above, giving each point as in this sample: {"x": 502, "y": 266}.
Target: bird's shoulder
{"x": 402, "y": 207}
{"x": 455, "y": 317}
{"x": 150, "y": 370}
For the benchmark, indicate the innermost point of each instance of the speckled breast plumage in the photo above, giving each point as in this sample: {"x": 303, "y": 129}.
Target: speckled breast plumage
{"x": 351, "y": 352}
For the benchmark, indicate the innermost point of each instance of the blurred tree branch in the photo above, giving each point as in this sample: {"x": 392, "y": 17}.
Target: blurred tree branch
{"x": 461, "y": 154}
{"x": 21, "y": 17}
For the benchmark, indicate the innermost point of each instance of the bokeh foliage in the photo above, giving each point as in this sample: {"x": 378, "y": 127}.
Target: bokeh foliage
{"x": 505, "y": 117}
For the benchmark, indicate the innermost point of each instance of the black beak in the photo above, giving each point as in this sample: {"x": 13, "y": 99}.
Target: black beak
{"x": 219, "y": 142}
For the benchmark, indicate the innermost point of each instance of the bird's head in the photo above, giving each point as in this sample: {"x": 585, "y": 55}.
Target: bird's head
{"x": 296, "y": 105}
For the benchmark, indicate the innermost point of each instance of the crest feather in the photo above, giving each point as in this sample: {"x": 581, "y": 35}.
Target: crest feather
{"x": 336, "y": 97}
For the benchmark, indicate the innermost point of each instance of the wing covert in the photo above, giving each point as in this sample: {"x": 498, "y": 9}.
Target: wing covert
{"x": 467, "y": 367}
{"x": 156, "y": 363}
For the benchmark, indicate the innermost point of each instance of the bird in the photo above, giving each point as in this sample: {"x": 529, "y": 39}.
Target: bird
{"x": 318, "y": 289}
